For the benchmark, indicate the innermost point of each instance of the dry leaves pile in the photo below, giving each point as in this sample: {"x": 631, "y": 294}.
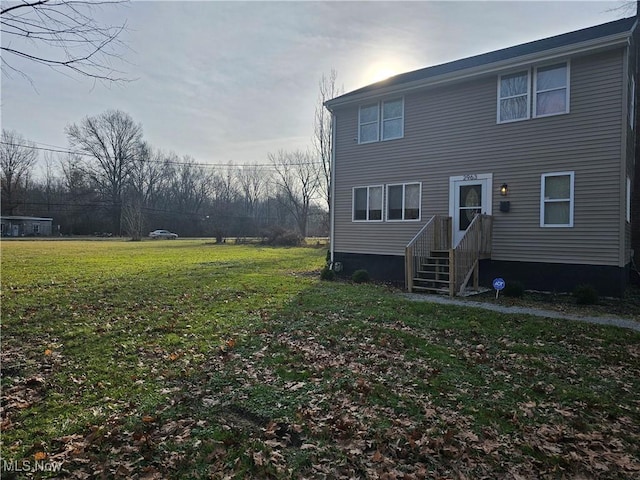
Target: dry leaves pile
{"x": 328, "y": 399}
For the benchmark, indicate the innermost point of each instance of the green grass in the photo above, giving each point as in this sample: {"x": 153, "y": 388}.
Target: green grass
{"x": 194, "y": 360}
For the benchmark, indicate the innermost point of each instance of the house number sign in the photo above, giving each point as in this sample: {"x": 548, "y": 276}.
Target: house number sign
{"x": 472, "y": 176}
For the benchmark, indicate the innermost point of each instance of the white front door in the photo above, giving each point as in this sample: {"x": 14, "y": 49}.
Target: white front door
{"x": 468, "y": 195}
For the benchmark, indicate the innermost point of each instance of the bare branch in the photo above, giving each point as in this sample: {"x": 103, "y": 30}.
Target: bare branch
{"x": 62, "y": 34}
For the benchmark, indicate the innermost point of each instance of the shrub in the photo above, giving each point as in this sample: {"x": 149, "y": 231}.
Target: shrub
{"x": 280, "y": 237}
{"x": 327, "y": 274}
{"x": 585, "y": 295}
{"x": 328, "y": 257}
{"x": 513, "y": 289}
{"x": 360, "y": 276}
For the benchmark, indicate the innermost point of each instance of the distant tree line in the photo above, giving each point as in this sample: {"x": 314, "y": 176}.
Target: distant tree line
{"x": 111, "y": 181}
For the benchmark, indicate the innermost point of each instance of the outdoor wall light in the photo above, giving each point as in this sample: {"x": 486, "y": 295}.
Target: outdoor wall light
{"x": 504, "y": 189}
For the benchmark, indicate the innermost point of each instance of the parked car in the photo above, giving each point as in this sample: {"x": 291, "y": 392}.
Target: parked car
{"x": 163, "y": 234}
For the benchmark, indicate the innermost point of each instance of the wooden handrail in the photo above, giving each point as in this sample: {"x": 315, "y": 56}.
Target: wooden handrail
{"x": 435, "y": 235}
{"x": 474, "y": 245}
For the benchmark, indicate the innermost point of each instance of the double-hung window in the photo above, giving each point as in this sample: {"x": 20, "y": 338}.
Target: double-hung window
{"x": 556, "y": 199}
{"x": 369, "y": 127}
{"x": 392, "y": 119}
{"x": 403, "y": 201}
{"x": 367, "y": 204}
{"x": 381, "y": 121}
{"x": 535, "y": 92}
{"x": 513, "y": 97}
{"x": 551, "y": 90}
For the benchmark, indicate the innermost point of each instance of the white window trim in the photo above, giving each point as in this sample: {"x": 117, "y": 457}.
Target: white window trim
{"x": 543, "y": 201}
{"x": 386, "y": 203}
{"x": 528, "y": 115}
{"x": 535, "y": 90}
{"x": 377, "y": 122}
{"x": 353, "y": 204}
{"x": 383, "y": 120}
{"x": 380, "y": 121}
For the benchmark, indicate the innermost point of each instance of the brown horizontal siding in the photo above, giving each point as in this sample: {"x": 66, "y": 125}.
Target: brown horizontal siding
{"x": 452, "y": 130}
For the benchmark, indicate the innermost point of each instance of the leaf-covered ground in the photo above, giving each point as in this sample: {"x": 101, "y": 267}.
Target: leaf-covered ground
{"x": 186, "y": 360}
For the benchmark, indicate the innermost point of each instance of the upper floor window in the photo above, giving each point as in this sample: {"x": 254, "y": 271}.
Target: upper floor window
{"x": 392, "y": 119}
{"x": 367, "y": 203}
{"x": 513, "y": 97}
{"x": 403, "y": 201}
{"x": 551, "y": 90}
{"x": 556, "y": 200}
{"x": 523, "y": 95}
{"x": 381, "y": 121}
{"x": 369, "y": 123}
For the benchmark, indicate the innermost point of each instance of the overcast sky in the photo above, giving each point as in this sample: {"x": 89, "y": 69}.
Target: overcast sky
{"x": 233, "y": 81}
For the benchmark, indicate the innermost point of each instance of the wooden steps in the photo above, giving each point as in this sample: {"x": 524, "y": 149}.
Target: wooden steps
{"x": 434, "y": 273}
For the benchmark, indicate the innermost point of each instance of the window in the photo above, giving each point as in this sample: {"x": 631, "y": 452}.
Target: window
{"x": 36, "y": 228}
{"x": 403, "y": 201}
{"x": 392, "y": 119}
{"x": 556, "y": 202}
{"x": 550, "y": 93}
{"x": 513, "y": 97}
{"x": 372, "y": 128}
{"x": 367, "y": 203}
{"x": 551, "y": 87}
{"x": 368, "y": 124}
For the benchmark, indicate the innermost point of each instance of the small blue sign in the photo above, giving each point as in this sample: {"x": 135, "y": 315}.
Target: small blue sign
{"x": 498, "y": 283}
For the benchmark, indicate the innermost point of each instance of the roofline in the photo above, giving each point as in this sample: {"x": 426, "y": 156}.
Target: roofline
{"x": 602, "y": 43}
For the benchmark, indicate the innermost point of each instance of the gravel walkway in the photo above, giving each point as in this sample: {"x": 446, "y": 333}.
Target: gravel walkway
{"x": 615, "y": 321}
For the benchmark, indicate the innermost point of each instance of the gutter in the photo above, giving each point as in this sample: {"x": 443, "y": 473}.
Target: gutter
{"x": 512, "y": 63}
{"x": 333, "y": 187}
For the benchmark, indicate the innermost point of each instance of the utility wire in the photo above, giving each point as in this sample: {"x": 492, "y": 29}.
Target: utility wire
{"x": 56, "y": 149}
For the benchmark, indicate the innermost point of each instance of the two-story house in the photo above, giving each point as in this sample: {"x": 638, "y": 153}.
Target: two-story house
{"x": 517, "y": 163}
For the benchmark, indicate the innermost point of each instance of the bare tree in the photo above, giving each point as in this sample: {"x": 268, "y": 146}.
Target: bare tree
{"x": 61, "y": 34}
{"x": 297, "y": 178}
{"x": 252, "y": 181}
{"x": 17, "y": 158}
{"x": 323, "y": 130}
{"x": 112, "y": 140}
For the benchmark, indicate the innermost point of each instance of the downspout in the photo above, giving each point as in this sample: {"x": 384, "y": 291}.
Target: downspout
{"x": 332, "y": 178}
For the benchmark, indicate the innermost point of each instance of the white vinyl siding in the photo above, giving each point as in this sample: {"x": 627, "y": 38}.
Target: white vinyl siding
{"x": 403, "y": 201}
{"x": 367, "y": 204}
{"x": 513, "y": 97}
{"x": 556, "y": 199}
{"x": 551, "y": 87}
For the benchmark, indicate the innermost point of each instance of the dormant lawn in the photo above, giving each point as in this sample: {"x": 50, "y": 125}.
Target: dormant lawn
{"x": 186, "y": 359}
